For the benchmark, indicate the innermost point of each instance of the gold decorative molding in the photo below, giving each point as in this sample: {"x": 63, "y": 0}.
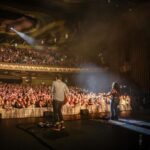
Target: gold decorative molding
{"x": 37, "y": 68}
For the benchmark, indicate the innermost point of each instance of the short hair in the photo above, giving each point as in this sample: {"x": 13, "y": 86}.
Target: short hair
{"x": 58, "y": 76}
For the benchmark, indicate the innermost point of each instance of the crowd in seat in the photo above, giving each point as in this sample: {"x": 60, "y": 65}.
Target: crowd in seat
{"x": 23, "y": 96}
{"x": 20, "y": 96}
{"x": 36, "y": 57}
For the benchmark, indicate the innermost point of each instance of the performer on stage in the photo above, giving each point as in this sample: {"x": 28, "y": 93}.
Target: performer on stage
{"x": 59, "y": 92}
{"x": 115, "y": 93}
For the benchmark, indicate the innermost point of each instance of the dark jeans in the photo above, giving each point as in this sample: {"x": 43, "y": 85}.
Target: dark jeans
{"x": 57, "y": 105}
{"x": 113, "y": 110}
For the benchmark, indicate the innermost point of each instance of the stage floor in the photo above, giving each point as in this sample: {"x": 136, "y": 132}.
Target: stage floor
{"x": 23, "y": 134}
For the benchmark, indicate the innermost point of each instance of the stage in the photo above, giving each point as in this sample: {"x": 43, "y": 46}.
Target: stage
{"x": 98, "y": 133}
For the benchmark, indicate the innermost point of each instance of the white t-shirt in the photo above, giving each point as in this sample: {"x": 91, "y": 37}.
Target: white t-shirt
{"x": 59, "y": 89}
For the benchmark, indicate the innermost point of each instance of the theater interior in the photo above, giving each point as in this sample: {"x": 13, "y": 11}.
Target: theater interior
{"x": 91, "y": 44}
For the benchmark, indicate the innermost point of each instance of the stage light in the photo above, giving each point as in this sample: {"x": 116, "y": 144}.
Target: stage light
{"x": 66, "y": 36}
{"x": 31, "y": 41}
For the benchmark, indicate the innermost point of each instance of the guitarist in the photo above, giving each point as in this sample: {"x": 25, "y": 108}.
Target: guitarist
{"x": 115, "y": 94}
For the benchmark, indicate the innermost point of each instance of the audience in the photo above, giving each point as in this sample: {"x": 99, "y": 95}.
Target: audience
{"x": 37, "y": 57}
{"x": 26, "y": 96}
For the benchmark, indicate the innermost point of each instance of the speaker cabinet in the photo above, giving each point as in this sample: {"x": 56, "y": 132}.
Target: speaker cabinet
{"x": 84, "y": 113}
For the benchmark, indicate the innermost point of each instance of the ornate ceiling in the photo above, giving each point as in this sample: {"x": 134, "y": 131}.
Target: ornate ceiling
{"x": 89, "y": 28}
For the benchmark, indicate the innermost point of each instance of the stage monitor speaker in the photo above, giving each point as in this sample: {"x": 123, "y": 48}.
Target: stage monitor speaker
{"x": 84, "y": 113}
{"x": 48, "y": 114}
